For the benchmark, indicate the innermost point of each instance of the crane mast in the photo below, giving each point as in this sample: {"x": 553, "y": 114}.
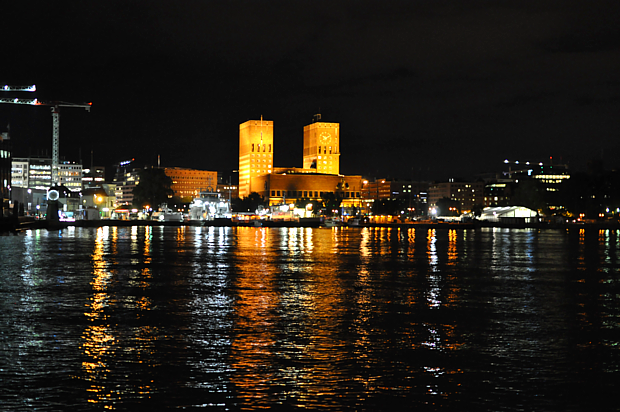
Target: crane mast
{"x": 55, "y": 119}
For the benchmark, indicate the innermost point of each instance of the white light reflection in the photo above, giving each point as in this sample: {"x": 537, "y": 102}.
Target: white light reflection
{"x": 434, "y": 276}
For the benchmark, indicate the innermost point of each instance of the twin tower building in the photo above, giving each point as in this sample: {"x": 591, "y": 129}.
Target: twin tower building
{"x": 319, "y": 175}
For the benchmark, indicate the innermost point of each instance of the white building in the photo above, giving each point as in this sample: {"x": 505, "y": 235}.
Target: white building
{"x": 509, "y": 214}
{"x": 31, "y": 172}
{"x": 19, "y": 173}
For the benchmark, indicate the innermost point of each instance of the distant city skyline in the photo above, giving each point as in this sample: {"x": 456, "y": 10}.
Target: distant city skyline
{"x": 431, "y": 89}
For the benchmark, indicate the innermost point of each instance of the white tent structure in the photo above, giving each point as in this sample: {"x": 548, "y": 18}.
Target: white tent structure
{"x": 512, "y": 214}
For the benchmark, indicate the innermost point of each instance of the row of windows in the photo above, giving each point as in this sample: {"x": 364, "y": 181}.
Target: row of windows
{"x": 192, "y": 177}
{"x": 309, "y": 194}
{"x": 264, "y": 146}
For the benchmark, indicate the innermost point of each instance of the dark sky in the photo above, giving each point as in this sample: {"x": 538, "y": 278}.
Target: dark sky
{"x": 429, "y": 89}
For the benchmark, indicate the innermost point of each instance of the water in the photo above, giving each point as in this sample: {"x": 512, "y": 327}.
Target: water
{"x": 300, "y": 318}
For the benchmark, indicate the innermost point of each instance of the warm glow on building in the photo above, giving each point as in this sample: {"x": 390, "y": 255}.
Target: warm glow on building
{"x": 255, "y": 153}
{"x": 190, "y": 182}
{"x": 322, "y": 147}
{"x": 289, "y": 188}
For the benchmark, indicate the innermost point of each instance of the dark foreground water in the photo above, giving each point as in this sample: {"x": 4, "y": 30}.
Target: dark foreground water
{"x": 316, "y": 319}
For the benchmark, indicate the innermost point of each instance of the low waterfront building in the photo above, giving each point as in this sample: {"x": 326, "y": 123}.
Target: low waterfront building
{"x": 509, "y": 214}
{"x": 291, "y": 187}
{"x": 98, "y": 199}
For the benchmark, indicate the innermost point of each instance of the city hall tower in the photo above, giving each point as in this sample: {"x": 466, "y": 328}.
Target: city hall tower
{"x": 255, "y": 153}
{"x": 322, "y": 147}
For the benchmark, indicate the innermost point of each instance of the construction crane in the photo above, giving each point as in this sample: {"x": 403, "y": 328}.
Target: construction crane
{"x": 55, "y": 119}
{"x": 31, "y": 88}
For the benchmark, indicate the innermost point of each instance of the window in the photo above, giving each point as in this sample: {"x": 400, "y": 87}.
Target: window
{"x": 278, "y": 193}
{"x": 270, "y": 148}
{"x": 252, "y": 146}
{"x": 273, "y": 193}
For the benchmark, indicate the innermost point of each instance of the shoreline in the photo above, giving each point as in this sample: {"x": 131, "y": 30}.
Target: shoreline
{"x": 12, "y": 226}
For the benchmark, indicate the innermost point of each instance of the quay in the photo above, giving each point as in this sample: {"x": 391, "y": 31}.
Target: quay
{"x": 23, "y": 224}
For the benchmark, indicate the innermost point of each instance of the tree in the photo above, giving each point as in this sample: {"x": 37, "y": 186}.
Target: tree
{"x": 477, "y": 210}
{"x": 448, "y": 207}
{"x": 529, "y": 194}
{"x": 317, "y": 205}
{"x": 331, "y": 201}
{"x": 249, "y": 203}
{"x": 153, "y": 189}
{"x": 392, "y": 207}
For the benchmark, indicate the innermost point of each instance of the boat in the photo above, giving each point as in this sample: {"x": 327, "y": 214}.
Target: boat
{"x": 354, "y": 221}
{"x": 210, "y": 208}
{"x": 165, "y": 214}
{"x": 330, "y": 222}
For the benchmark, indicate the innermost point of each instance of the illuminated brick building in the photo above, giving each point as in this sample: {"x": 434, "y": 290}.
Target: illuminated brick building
{"x": 292, "y": 186}
{"x": 190, "y": 182}
{"x": 319, "y": 176}
{"x": 322, "y": 147}
{"x": 255, "y": 153}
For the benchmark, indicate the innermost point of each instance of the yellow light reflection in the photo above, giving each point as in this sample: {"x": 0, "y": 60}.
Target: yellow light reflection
{"x": 102, "y": 343}
{"x": 255, "y": 315}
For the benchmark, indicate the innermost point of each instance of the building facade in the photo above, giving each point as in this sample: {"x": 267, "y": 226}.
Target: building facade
{"x": 498, "y": 193}
{"x": 255, "y": 153}
{"x": 93, "y": 177}
{"x": 5, "y": 171}
{"x": 288, "y": 188}
{"x": 188, "y": 183}
{"x": 318, "y": 178}
{"x": 322, "y": 147}
{"x": 412, "y": 194}
{"x": 468, "y": 194}
{"x": 32, "y": 172}
{"x": 70, "y": 175}
{"x": 125, "y": 184}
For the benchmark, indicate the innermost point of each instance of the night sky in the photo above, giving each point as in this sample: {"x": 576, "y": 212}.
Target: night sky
{"x": 422, "y": 89}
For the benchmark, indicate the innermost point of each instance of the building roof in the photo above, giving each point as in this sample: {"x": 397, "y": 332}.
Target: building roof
{"x": 506, "y": 211}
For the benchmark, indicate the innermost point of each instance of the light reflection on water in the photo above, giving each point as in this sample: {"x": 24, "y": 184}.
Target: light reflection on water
{"x": 361, "y": 319}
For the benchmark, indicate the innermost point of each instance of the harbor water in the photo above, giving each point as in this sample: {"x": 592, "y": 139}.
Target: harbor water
{"x": 361, "y": 319}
